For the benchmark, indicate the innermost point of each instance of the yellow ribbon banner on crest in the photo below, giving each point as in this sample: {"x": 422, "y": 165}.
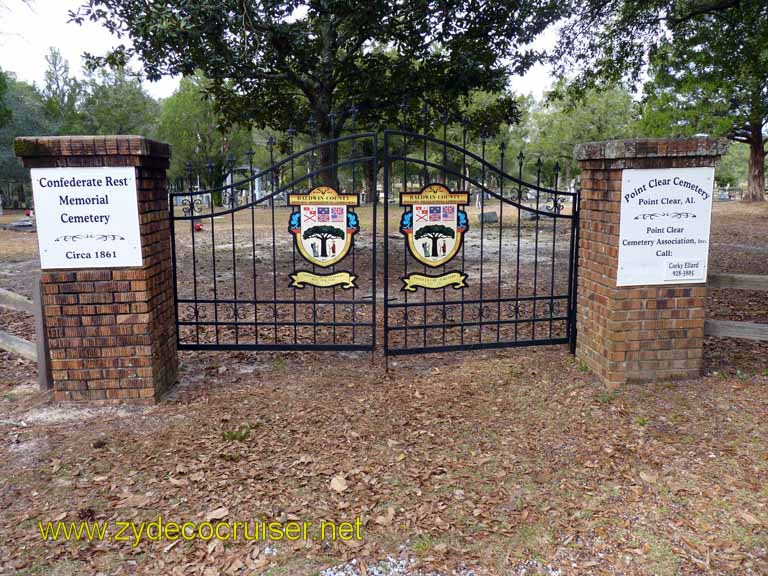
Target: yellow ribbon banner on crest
{"x": 454, "y": 279}
{"x": 345, "y": 279}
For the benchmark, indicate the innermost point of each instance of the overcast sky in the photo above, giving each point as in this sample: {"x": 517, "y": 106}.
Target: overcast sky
{"x": 27, "y": 31}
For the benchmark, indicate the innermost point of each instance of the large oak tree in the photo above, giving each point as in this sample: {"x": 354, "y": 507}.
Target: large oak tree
{"x": 710, "y": 63}
{"x": 275, "y": 63}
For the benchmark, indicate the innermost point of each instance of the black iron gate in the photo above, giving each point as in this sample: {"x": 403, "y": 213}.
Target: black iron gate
{"x": 273, "y": 260}
{"x": 478, "y": 252}
{"x": 474, "y": 256}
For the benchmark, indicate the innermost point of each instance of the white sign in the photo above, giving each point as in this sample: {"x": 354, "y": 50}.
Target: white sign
{"x": 664, "y": 230}
{"x": 87, "y": 217}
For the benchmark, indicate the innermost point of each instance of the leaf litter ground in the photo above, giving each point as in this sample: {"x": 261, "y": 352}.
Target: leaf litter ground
{"x": 512, "y": 462}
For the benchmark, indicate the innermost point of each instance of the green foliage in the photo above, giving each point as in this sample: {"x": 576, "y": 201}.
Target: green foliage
{"x": 62, "y": 96}
{"x": 276, "y": 63}
{"x": 708, "y": 64}
{"x": 239, "y": 435}
{"x": 116, "y": 103}
{"x": 607, "y": 41}
{"x": 190, "y": 123}
{"x": 5, "y": 111}
{"x": 27, "y": 118}
{"x": 732, "y": 171}
{"x": 563, "y": 121}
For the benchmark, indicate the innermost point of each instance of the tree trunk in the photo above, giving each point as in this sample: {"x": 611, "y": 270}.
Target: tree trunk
{"x": 434, "y": 246}
{"x": 756, "y": 177}
{"x": 324, "y": 247}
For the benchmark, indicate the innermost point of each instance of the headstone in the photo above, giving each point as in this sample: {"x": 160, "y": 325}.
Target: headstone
{"x": 488, "y": 217}
{"x": 528, "y": 216}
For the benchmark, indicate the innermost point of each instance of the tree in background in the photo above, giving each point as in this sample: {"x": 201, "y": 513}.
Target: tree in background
{"x": 27, "y": 118}
{"x": 191, "y": 124}
{"x": 5, "y": 111}
{"x": 696, "y": 88}
{"x": 709, "y": 59}
{"x": 116, "y": 103}
{"x": 562, "y": 121}
{"x": 62, "y": 95}
{"x": 276, "y": 63}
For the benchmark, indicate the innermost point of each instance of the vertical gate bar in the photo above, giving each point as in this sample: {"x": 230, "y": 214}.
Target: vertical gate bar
{"x": 354, "y": 166}
{"x": 374, "y": 296}
{"x": 555, "y": 214}
{"x": 425, "y": 177}
{"x": 574, "y": 271}
{"x": 334, "y": 155}
{"x": 405, "y": 244}
{"x": 172, "y": 223}
{"x": 291, "y": 135}
{"x": 445, "y": 182}
{"x": 194, "y": 256}
{"x": 465, "y": 123}
{"x": 313, "y": 130}
{"x": 252, "y": 187}
{"x": 502, "y": 148}
{"x": 483, "y": 138}
{"x": 213, "y": 252}
{"x": 232, "y": 201}
{"x": 536, "y": 249}
{"x": 520, "y": 159}
{"x": 271, "y": 144}
{"x": 385, "y": 185}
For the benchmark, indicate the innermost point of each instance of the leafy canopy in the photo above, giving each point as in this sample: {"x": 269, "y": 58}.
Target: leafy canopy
{"x": 276, "y": 63}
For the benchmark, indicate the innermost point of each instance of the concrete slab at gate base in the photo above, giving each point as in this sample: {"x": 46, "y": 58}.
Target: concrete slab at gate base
{"x": 634, "y": 333}
{"x": 112, "y": 332}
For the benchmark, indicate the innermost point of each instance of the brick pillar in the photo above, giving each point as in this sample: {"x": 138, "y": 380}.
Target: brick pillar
{"x": 112, "y": 332}
{"x": 634, "y": 333}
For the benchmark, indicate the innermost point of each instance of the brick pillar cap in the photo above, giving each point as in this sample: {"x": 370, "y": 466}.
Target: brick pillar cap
{"x": 651, "y": 148}
{"x": 57, "y": 146}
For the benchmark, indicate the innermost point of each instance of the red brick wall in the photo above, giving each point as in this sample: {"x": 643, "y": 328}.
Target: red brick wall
{"x": 112, "y": 332}
{"x": 634, "y": 333}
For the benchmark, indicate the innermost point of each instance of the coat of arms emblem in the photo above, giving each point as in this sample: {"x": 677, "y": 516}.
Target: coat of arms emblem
{"x": 434, "y": 227}
{"x": 323, "y": 228}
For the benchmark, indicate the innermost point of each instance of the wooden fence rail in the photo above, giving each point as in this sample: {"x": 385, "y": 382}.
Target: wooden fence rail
{"x": 731, "y": 329}
{"x": 35, "y": 351}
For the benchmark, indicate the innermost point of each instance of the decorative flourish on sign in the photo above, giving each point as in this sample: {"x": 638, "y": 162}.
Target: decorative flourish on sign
{"x": 100, "y": 237}
{"x": 455, "y": 280}
{"x": 654, "y": 215}
{"x": 344, "y": 279}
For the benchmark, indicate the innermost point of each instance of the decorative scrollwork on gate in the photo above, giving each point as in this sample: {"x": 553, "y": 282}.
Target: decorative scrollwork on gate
{"x": 191, "y": 206}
